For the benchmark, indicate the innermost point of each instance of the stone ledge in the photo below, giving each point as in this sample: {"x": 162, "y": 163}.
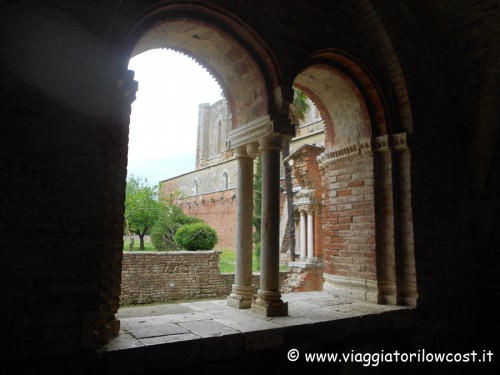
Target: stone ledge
{"x": 212, "y": 333}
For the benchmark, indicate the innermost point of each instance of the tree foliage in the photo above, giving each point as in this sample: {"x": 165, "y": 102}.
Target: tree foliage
{"x": 141, "y": 207}
{"x": 197, "y": 236}
{"x": 299, "y": 106}
{"x": 170, "y": 219}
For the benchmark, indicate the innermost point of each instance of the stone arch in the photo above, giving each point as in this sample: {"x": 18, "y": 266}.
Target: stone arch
{"x": 346, "y": 96}
{"x": 366, "y": 211}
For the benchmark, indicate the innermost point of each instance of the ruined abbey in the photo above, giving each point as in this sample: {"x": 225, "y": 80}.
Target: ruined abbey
{"x": 209, "y": 191}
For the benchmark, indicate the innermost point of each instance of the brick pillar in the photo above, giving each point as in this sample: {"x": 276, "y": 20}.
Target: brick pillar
{"x": 107, "y": 324}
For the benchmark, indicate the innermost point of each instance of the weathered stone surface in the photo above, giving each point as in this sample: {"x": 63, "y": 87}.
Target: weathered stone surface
{"x": 148, "y": 330}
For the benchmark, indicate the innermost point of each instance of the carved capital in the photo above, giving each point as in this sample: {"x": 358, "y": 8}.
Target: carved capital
{"x": 400, "y": 141}
{"x": 265, "y": 126}
{"x": 241, "y": 152}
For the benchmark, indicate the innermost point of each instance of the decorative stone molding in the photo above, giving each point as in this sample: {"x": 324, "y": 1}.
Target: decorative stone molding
{"x": 383, "y": 143}
{"x": 264, "y": 126}
{"x": 305, "y": 197}
{"x": 345, "y": 151}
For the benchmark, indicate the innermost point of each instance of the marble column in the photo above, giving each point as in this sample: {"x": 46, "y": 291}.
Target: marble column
{"x": 242, "y": 290}
{"x": 310, "y": 234}
{"x": 303, "y": 235}
{"x": 268, "y": 301}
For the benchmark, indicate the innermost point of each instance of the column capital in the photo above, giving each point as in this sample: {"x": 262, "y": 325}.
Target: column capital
{"x": 310, "y": 210}
{"x": 253, "y": 149}
{"x": 271, "y": 143}
{"x": 241, "y": 152}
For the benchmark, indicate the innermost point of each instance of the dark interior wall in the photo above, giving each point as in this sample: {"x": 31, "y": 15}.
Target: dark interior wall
{"x": 56, "y": 94}
{"x": 61, "y": 143}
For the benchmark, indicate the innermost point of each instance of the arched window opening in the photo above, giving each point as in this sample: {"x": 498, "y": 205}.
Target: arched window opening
{"x": 224, "y": 181}
{"x": 195, "y": 188}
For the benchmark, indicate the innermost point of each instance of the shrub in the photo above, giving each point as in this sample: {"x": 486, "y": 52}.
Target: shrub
{"x": 169, "y": 221}
{"x": 197, "y": 236}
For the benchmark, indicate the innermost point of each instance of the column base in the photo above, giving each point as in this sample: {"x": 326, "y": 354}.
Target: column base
{"x": 241, "y": 297}
{"x": 269, "y": 304}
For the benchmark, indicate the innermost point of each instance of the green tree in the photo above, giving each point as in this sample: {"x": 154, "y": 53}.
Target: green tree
{"x": 196, "y": 236}
{"x": 141, "y": 207}
{"x": 170, "y": 219}
{"x": 298, "y": 109}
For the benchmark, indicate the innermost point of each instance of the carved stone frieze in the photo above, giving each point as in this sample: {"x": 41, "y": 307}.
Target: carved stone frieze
{"x": 264, "y": 126}
{"x": 383, "y": 143}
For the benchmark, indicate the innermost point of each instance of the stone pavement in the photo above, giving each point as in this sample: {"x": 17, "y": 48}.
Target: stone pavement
{"x": 210, "y": 330}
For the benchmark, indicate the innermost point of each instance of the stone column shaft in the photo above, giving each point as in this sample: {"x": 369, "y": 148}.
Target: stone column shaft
{"x": 269, "y": 301}
{"x": 303, "y": 236}
{"x": 242, "y": 291}
{"x": 310, "y": 234}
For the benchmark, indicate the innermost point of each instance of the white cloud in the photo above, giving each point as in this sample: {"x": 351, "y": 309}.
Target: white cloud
{"x": 164, "y": 116}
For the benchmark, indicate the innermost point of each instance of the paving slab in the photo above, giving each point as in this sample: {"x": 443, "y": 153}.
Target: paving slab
{"x": 148, "y": 330}
{"x": 187, "y": 336}
{"x": 303, "y": 308}
{"x": 203, "y": 306}
{"x": 124, "y": 341}
{"x": 208, "y": 328}
{"x": 245, "y": 323}
{"x": 173, "y": 318}
{"x": 152, "y": 310}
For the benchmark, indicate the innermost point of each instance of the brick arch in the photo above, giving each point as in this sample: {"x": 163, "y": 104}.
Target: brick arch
{"x": 366, "y": 212}
{"x": 231, "y": 52}
{"x": 346, "y": 96}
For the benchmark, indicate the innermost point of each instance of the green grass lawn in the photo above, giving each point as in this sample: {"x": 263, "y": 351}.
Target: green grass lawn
{"x": 227, "y": 263}
{"x": 148, "y": 246}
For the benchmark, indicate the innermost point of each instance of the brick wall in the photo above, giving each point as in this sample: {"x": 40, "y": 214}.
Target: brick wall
{"x": 349, "y": 219}
{"x": 175, "y": 275}
{"x": 219, "y": 211}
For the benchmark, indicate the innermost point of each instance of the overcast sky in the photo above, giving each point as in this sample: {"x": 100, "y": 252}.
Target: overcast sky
{"x": 162, "y": 140}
